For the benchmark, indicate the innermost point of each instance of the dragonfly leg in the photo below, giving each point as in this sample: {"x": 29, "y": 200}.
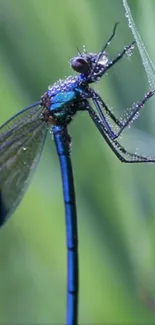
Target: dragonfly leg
{"x": 121, "y": 153}
{"x": 135, "y": 111}
{"x": 103, "y": 119}
{"x": 98, "y": 98}
{"x": 111, "y": 37}
{"x": 98, "y": 102}
{"x": 120, "y": 56}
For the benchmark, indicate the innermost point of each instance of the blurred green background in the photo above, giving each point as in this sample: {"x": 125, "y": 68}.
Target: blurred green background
{"x": 116, "y": 202}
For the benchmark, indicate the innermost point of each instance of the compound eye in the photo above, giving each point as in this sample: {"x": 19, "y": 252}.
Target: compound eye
{"x": 80, "y": 65}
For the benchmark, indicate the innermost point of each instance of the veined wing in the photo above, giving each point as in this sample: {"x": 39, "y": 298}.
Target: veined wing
{"x": 27, "y": 114}
{"x": 21, "y": 142}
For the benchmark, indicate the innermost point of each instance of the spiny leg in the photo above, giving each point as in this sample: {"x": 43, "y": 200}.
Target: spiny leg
{"x": 119, "y": 56}
{"x": 105, "y": 107}
{"x": 116, "y": 146}
{"x": 98, "y": 100}
{"x": 109, "y": 40}
{"x": 107, "y": 126}
{"x": 135, "y": 111}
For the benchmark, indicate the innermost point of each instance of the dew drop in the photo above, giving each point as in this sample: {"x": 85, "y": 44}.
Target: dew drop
{"x": 50, "y": 87}
{"x": 129, "y": 52}
{"x": 103, "y": 60}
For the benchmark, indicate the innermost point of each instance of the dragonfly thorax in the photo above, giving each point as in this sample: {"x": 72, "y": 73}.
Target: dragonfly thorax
{"x": 63, "y": 99}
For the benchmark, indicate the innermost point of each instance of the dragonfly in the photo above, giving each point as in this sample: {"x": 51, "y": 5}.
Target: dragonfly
{"x": 22, "y": 139}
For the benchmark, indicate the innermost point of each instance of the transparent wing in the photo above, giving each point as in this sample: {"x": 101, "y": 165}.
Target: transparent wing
{"x": 21, "y": 143}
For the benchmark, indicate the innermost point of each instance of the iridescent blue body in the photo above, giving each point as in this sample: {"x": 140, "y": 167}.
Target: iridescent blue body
{"x": 65, "y": 98}
{"x": 22, "y": 139}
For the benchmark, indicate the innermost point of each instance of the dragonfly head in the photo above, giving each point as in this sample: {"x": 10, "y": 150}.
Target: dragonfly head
{"x": 91, "y": 65}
